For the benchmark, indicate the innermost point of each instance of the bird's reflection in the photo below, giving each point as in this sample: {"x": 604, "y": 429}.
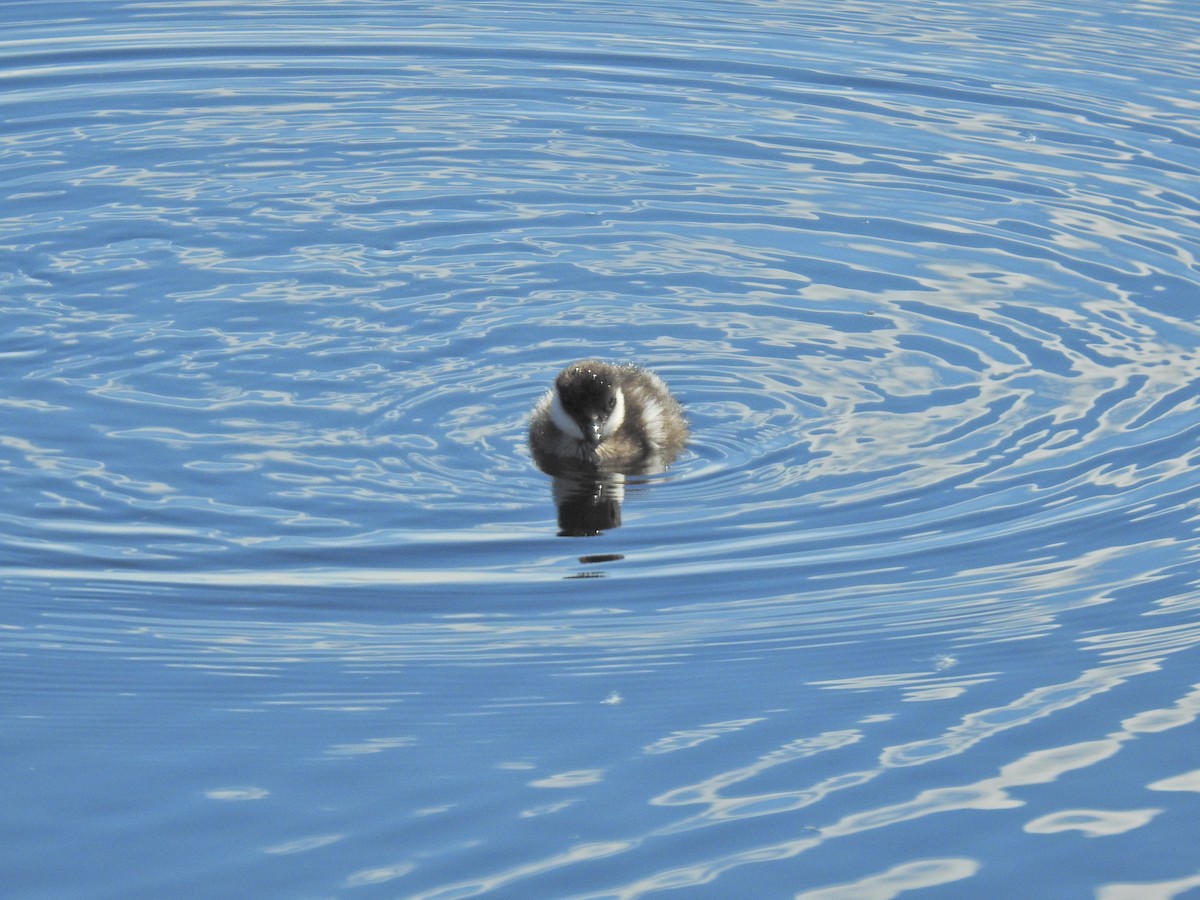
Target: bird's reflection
{"x": 588, "y": 499}
{"x": 588, "y": 502}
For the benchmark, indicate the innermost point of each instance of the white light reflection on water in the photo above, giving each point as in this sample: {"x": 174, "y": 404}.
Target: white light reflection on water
{"x": 923, "y": 873}
{"x": 992, "y": 793}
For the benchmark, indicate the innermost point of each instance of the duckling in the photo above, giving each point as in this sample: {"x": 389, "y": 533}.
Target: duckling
{"x": 606, "y": 416}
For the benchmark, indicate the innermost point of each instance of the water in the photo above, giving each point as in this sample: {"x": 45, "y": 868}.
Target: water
{"x": 285, "y": 613}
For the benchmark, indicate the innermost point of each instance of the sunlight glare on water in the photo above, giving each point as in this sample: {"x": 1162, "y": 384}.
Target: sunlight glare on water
{"x": 285, "y": 607}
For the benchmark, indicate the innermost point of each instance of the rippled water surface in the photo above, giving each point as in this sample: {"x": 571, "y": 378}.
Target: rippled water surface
{"x": 285, "y": 612}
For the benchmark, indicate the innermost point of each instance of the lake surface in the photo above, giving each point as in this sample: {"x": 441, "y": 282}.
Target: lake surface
{"x": 284, "y": 610}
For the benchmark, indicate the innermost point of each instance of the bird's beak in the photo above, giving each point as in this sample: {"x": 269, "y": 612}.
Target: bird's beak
{"x": 592, "y": 434}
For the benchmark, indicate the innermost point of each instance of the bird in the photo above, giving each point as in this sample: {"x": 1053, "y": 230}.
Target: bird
{"x": 612, "y": 417}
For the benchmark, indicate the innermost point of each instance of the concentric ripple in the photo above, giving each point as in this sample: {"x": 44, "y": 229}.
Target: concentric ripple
{"x": 279, "y": 306}
{"x": 302, "y": 287}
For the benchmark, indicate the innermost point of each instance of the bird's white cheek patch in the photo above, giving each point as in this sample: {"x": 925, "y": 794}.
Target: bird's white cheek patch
{"x": 615, "y": 418}
{"x": 654, "y": 421}
{"x": 563, "y": 420}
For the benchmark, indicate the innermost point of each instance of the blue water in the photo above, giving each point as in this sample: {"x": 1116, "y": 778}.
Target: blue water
{"x": 284, "y": 609}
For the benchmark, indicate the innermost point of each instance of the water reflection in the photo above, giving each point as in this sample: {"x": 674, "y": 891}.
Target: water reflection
{"x": 588, "y": 503}
{"x": 997, "y": 793}
{"x": 898, "y": 880}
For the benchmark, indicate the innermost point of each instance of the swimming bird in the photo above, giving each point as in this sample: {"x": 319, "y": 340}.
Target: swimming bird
{"x": 606, "y": 416}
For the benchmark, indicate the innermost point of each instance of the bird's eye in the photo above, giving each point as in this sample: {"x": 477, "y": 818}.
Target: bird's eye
{"x": 612, "y": 401}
